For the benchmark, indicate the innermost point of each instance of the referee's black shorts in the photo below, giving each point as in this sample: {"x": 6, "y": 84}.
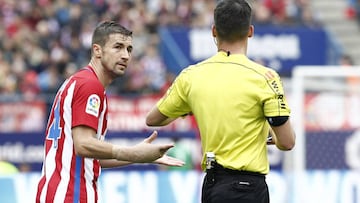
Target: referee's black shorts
{"x": 223, "y": 185}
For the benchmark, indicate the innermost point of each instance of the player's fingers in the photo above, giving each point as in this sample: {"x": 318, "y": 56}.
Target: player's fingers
{"x": 152, "y": 137}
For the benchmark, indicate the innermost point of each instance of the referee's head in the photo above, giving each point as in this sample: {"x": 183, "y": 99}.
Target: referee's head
{"x": 232, "y": 20}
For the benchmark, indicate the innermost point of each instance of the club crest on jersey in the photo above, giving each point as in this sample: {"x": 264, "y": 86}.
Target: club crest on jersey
{"x": 93, "y": 105}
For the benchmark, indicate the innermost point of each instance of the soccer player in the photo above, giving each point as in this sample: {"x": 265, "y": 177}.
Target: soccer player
{"x": 236, "y": 103}
{"x": 75, "y": 150}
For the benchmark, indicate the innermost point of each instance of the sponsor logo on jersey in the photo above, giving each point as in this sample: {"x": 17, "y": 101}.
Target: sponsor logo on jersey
{"x": 93, "y": 105}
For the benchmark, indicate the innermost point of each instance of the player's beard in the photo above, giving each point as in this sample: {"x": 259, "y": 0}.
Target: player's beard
{"x": 116, "y": 70}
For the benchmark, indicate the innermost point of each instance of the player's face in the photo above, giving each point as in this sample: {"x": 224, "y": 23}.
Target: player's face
{"x": 116, "y": 54}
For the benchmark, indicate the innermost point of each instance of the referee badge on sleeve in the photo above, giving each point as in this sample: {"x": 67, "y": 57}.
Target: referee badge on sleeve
{"x": 93, "y": 105}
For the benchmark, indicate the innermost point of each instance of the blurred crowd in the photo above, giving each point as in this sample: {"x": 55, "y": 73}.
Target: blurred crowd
{"x": 42, "y": 42}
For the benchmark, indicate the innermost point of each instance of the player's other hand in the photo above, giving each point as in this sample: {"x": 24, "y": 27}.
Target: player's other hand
{"x": 270, "y": 140}
{"x": 169, "y": 161}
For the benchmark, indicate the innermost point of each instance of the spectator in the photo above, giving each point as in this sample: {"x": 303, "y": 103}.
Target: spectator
{"x": 350, "y": 11}
{"x": 49, "y": 80}
{"x": 136, "y": 79}
{"x": 154, "y": 69}
{"x": 277, "y": 9}
{"x": 29, "y": 86}
{"x": 262, "y": 14}
{"x": 346, "y": 61}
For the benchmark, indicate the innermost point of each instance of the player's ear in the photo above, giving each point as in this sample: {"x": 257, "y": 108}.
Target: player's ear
{"x": 251, "y": 31}
{"x": 96, "y": 50}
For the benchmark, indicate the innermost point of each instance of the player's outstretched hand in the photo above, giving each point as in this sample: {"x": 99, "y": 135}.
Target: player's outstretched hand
{"x": 163, "y": 148}
{"x": 144, "y": 152}
{"x": 164, "y": 159}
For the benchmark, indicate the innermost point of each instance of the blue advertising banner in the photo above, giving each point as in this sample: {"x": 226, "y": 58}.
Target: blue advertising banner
{"x": 330, "y": 186}
{"x": 280, "y": 48}
{"x": 333, "y": 150}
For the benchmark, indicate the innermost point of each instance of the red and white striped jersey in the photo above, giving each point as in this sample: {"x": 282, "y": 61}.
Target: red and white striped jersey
{"x": 81, "y": 100}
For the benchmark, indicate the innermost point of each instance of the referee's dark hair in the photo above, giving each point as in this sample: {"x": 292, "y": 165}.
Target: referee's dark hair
{"x": 232, "y": 19}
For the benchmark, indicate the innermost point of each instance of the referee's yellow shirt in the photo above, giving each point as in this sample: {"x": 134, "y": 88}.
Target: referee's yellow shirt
{"x": 230, "y": 96}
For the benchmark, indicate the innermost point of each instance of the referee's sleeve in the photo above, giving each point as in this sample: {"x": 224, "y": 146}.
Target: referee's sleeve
{"x": 275, "y": 103}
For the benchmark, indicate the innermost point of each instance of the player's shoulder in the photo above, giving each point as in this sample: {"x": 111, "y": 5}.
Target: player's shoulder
{"x": 87, "y": 80}
{"x": 85, "y": 75}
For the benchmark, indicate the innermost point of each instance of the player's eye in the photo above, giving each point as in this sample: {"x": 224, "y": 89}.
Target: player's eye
{"x": 129, "y": 49}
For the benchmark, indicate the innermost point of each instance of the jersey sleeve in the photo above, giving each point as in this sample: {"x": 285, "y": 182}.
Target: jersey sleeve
{"x": 87, "y": 105}
{"x": 174, "y": 104}
{"x": 275, "y": 103}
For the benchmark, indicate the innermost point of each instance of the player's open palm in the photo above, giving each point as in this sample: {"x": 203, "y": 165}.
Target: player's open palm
{"x": 169, "y": 161}
{"x": 146, "y": 152}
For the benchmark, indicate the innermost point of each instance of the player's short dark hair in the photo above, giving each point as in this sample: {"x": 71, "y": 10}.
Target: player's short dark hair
{"x": 232, "y": 19}
{"x": 106, "y": 28}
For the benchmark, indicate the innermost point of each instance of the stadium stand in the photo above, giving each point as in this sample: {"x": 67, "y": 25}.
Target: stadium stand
{"x": 40, "y": 47}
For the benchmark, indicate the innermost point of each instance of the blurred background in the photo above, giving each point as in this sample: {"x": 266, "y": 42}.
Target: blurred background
{"x": 42, "y": 42}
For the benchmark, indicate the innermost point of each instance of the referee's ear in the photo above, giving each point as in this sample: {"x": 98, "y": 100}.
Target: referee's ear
{"x": 213, "y": 30}
{"x": 251, "y": 31}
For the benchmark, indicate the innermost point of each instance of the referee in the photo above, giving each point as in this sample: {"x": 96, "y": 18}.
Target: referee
{"x": 236, "y": 103}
